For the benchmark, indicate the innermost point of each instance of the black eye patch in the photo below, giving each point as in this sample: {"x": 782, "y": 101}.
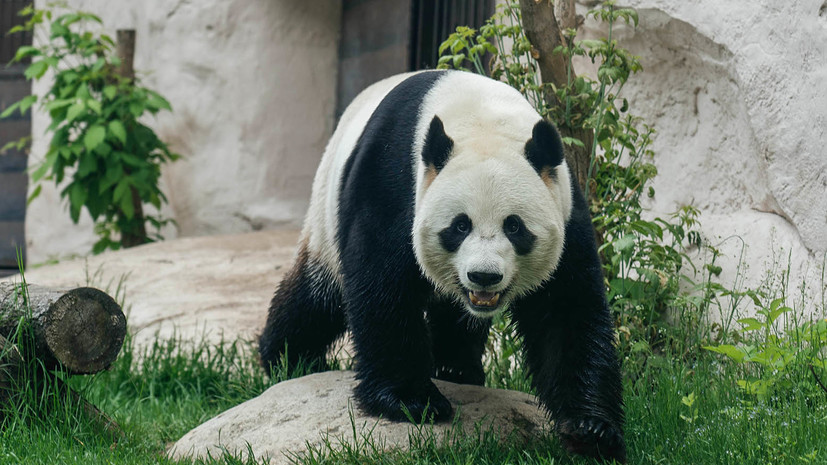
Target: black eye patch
{"x": 452, "y": 236}
{"x": 521, "y": 238}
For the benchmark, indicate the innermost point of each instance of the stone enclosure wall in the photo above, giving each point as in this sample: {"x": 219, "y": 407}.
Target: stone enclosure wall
{"x": 737, "y": 91}
{"x": 252, "y": 86}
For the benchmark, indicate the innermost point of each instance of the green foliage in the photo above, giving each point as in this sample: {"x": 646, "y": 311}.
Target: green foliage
{"x": 582, "y": 101}
{"x": 106, "y": 160}
{"x": 775, "y": 357}
{"x": 514, "y": 65}
{"x": 676, "y": 412}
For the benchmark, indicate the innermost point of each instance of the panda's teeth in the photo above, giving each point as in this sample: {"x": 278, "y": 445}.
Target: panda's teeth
{"x": 495, "y": 299}
{"x": 484, "y": 299}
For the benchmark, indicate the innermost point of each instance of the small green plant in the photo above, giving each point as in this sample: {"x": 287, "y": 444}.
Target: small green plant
{"x": 773, "y": 357}
{"x": 106, "y": 160}
{"x": 691, "y": 408}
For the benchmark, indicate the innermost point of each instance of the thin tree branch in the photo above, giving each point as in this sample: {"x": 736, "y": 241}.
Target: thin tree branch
{"x": 813, "y": 371}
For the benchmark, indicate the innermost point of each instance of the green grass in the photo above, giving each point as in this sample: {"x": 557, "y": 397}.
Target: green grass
{"x": 683, "y": 406}
{"x": 175, "y": 387}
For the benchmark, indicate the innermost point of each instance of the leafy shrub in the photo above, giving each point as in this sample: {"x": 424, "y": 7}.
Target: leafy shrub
{"x": 111, "y": 160}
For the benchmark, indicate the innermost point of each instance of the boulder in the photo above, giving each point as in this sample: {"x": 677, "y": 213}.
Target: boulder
{"x": 319, "y": 409}
{"x": 736, "y": 93}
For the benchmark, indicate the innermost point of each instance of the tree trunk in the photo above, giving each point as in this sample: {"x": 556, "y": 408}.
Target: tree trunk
{"x": 81, "y": 329}
{"x": 545, "y": 33}
{"x": 578, "y": 158}
{"x": 126, "y": 53}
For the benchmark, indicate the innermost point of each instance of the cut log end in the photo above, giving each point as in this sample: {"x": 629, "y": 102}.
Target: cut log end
{"x": 81, "y": 329}
{"x": 85, "y": 330}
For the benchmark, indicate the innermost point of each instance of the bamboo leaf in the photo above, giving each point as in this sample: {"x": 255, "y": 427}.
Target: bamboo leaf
{"x": 8, "y": 111}
{"x": 35, "y": 193}
{"x": 36, "y": 70}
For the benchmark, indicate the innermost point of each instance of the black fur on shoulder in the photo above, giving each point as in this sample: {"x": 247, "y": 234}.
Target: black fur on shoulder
{"x": 384, "y": 290}
{"x": 545, "y": 148}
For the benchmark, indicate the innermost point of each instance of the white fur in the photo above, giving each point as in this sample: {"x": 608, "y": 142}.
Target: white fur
{"x": 488, "y": 190}
{"x": 487, "y": 177}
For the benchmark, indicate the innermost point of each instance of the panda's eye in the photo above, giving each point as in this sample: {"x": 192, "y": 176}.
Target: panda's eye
{"x": 512, "y": 225}
{"x": 455, "y": 233}
{"x": 462, "y": 224}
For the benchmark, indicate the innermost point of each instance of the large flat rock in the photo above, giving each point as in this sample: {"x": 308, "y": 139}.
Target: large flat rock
{"x": 282, "y": 421}
{"x": 192, "y": 288}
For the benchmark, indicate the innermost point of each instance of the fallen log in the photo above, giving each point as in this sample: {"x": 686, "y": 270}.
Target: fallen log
{"x": 81, "y": 329}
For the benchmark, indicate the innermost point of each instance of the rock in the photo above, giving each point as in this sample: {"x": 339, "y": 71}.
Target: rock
{"x": 736, "y": 92}
{"x": 280, "y": 422}
{"x": 199, "y": 288}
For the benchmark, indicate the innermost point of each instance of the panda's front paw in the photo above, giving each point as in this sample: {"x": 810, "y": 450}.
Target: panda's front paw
{"x": 424, "y": 403}
{"x": 593, "y": 437}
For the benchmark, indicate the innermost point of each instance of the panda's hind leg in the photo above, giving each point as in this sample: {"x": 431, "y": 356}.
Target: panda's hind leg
{"x": 458, "y": 341}
{"x": 304, "y": 319}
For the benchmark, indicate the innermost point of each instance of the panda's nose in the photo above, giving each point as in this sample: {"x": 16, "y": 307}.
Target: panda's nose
{"x": 484, "y": 279}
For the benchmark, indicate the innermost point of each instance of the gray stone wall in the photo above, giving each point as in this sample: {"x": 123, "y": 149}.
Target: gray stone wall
{"x": 737, "y": 91}
{"x": 252, "y": 85}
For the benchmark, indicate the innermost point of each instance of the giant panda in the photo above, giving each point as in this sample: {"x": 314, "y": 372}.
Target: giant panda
{"x": 442, "y": 199}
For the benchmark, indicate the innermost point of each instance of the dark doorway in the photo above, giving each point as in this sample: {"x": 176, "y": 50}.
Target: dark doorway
{"x": 381, "y": 38}
{"x": 435, "y": 20}
{"x": 13, "y": 178}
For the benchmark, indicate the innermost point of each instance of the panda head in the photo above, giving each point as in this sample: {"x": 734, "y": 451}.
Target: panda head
{"x": 490, "y": 215}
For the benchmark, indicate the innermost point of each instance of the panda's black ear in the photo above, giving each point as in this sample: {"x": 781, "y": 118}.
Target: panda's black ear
{"x": 545, "y": 148}
{"x": 437, "y": 146}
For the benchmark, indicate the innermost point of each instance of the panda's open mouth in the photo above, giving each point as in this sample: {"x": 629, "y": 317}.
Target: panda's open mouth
{"x": 484, "y": 304}
{"x": 484, "y": 299}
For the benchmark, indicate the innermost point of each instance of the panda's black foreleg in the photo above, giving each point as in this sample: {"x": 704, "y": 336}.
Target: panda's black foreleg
{"x": 458, "y": 343}
{"x": 304, "y": 319}
{"x": 385, "y": 297}
{"x": 568, "y": 337}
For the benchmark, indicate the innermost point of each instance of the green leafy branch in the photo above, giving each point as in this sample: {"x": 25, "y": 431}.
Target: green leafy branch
{"x": 105, "y": 159}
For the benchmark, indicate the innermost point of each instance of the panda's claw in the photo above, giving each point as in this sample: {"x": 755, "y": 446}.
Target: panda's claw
{"x": 593, "y": 437}
{"x": 471, "y": 375}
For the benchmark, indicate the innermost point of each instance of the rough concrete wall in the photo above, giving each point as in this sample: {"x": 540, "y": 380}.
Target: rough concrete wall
{"x": 252, "y": 85}
{"x": 737, "y": 92}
